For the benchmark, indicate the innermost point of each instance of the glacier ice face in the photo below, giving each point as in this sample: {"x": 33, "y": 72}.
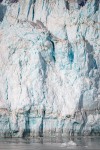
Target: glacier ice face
{"x": 49, "y": 67}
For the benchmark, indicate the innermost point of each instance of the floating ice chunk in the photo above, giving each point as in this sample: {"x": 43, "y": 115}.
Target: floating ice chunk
{"x": 63, "y": 144}
{"x": 71, "y": 143}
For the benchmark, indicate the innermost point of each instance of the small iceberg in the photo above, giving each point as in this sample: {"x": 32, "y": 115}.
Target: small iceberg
{"x": 63, "y": 144}
{"x": 70, "y": 143}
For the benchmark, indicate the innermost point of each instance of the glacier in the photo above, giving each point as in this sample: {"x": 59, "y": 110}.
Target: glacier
{"x": 49, "y": 67}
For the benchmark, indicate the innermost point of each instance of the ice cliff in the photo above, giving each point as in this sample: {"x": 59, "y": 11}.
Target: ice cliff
{"x": 49, "y": 67}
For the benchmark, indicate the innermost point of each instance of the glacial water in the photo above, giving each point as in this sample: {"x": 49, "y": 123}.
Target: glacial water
{"x": 52, "y": 143}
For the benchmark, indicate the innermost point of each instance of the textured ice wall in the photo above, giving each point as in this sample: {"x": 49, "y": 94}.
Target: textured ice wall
{"x": 49, "y": 67}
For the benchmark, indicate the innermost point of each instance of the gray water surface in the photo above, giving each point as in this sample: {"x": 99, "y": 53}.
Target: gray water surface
{"x": 53, "y": 143}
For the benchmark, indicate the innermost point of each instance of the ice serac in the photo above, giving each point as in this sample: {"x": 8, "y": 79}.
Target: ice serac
{"x": 49, "y": 67}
